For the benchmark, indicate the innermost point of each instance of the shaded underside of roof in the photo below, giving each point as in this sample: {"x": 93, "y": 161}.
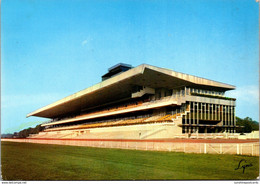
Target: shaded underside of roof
{"x": 120, "y": 87}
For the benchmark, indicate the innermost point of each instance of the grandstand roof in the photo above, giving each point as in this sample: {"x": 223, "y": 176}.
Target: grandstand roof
{"x": 120, "y": 87}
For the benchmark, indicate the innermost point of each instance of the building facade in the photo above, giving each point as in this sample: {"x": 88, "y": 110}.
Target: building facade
{"x": 145, "y": 102}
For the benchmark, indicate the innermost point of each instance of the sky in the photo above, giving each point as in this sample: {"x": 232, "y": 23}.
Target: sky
{"x": 53, "y": 48}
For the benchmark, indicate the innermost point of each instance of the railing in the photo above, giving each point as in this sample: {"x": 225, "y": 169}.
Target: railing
{"x": 212, "y": 96}
{"x": 157, "y": 145}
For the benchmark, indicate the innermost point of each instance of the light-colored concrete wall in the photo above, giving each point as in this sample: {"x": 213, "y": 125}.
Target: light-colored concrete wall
{"x": 142, "y": 131}
{"x": 252, "y": 135}
{"x": 146, "y": 131}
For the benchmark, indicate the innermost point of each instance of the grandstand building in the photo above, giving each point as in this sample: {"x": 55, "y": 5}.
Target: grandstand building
{"x": 145, "y": 102}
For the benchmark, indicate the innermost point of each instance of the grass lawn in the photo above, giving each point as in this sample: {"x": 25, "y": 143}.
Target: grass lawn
{"x": 27, "y": 161}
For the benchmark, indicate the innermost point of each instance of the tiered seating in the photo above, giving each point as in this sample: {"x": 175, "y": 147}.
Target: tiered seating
{"x": 63, "y": 128}
{"x": 163, "y": 118}
{"x": 103, "y": 124}
{"x": 56, "y": 135}
{"x": 64, "y": 135}
{"x": 124, "y": 122}
{"x": 169, "y": 118}
{"x": 135, "y": 104}
{"x": 152, "y": 118}
{"x": 41, "y": 135}
{"x": 118, "y": 123}
{"x": 123, "y": 107}
{"x": 133, "y": 121}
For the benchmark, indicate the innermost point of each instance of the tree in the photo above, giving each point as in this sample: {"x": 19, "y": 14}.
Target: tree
{"x": 26, "y": 132}
{"x": 247, "y": 125}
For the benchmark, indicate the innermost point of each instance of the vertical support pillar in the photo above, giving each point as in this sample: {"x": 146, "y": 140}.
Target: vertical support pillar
{"x": 211, "y": 105}
{"x": 224, "y": 114}
{"x": 190, "y": 113}
{"x": 232, "y": 119}
{"x": 237, "y": 149}
{"x": 234, "y": 109}
{"x": 205, "y": 148}
{"x": 197, "y": 112}
{"x": 201, "y": 111}
{"x": 205, "y": 111}
{"x": 222, "y": 119}
{"x": 216, "y": 112}
{"x": 185, "y": 116}
{"x": 228, "y": 114}
{"x": 208, "y": 111}
{"x": 193, "y": 119}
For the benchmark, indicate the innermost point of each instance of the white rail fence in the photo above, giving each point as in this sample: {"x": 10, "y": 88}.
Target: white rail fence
{"x": 211, "y": 148}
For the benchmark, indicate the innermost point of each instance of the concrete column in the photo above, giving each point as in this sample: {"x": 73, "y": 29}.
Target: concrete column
{"x": 201, "y": 110}
{"x": 234, "y": 116}
{"x": 219, "y": 112}
{"x": 215, "y": 111}
{"x": 211, "y": 105}
{"x": 224, "y": 114}
{"x": 228, "y": 115}
{"x": 204, "y": 111}
{"x": 197, "y": 112}
{"x": 193, "y": 106}
{"x": 231, "y": 116}
{"x": 185, "y": 117}
{"x": 190, "y": 113}
{"x": 208, "y": 111}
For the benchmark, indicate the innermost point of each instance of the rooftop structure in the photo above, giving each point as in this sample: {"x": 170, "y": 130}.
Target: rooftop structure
{"x": 143, "y": 102}
{"x": 115, "y": 70}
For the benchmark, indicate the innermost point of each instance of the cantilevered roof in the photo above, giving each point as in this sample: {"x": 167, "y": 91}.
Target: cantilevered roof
{"x": 120, "y": 87}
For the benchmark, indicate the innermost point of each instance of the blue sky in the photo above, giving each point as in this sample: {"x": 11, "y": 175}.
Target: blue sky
{"x": 53, "y": 48}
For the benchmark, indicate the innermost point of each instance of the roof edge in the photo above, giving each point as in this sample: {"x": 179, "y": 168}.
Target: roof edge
{"x": 127, "y": 74}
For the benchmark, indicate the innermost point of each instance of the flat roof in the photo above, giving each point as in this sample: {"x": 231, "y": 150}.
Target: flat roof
{"x": 120, "y": 86}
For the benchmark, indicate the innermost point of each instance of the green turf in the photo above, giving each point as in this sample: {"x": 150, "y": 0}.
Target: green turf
{"x": 26, "y": 161}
